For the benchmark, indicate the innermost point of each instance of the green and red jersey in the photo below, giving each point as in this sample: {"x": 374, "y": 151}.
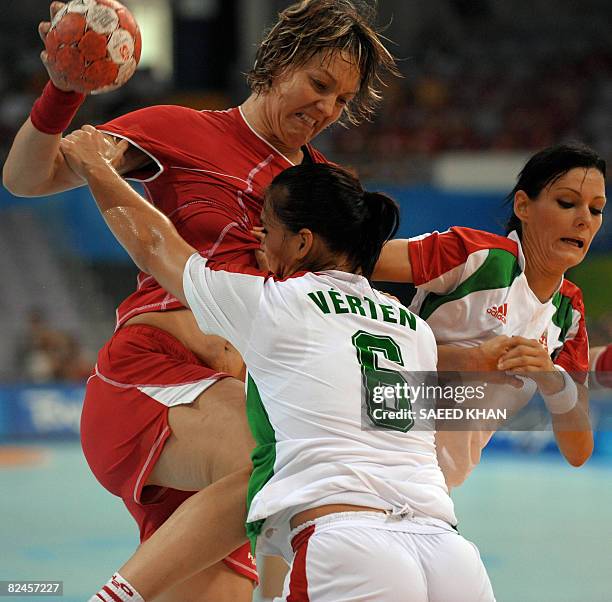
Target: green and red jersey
{"x": 471, "y": 286}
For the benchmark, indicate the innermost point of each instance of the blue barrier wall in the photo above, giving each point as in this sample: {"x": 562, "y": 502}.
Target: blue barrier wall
{"x": 74, "y": 224}
{"x": 34, "y": 412}
{"x": 78, "y": 227}
{"x": 40, "y": 412}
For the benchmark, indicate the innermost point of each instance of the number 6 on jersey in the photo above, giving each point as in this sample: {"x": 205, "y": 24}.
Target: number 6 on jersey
{"x": 374, "y": 378}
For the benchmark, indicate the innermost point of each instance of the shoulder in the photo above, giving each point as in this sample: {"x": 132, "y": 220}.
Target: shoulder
{"x": 477, "y": 240}
{"x": 317, "y": 156}
{"x": 569, "y": 308}
{"x": 197, "y": 262}
{"x": 227, "y": 118}
{"x": 166, "y": 116}
{"x": 569, "y": 314}
{"x": 569, "y": 303}
{"x": 462, "y": 241}
{"x": 459, "y": 252}
{"x": 572, "y": 292}
{"x": 569, "y": 319}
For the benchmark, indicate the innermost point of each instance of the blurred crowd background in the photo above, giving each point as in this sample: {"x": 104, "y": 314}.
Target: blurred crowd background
{"x": 484, "y": 84}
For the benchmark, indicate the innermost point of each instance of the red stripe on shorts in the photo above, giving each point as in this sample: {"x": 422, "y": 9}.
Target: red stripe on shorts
{"x": 111, "y": 593}
{"x": 298, "y": 582}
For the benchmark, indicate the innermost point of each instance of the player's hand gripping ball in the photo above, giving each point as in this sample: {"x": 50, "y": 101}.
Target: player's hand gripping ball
{"x": 92, "y": 46}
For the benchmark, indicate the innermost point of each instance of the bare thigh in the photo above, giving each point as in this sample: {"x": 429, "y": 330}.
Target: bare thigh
{"x": 215, "y": 584}
{"x": 210, "y": 439}
{"x": 272, "y": 572}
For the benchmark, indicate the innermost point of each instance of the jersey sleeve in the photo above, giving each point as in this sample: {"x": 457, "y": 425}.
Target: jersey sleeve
{"x": 156, "y": 131}
{"x": 604, "y": 360}
{"x": 223, "y": 298}
{"x": 441, "y": 261}
{"x": 573, "y": 356}
{"x": 318, "y": 157}
{"x": 603, "y": 367}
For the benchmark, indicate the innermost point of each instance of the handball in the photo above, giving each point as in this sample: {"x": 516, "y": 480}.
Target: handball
{"x": 93, "y": 46}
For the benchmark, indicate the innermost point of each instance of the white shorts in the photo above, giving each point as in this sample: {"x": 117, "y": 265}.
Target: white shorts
{"x": 371, "y": 557}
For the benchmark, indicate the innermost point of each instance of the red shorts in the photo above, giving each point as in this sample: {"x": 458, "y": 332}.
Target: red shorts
{"x": 141, "y": 372}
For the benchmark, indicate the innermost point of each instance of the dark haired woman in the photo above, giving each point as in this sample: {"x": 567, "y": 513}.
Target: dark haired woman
{"x": 369, "y": 509}
{"x": 161, "y": 398}
{"x": 497, "y": 303}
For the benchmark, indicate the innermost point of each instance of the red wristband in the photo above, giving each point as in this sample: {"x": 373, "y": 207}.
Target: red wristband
{"x": 55, "y": 109}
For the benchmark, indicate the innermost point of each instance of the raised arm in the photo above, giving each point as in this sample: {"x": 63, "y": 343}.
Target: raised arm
{"x": 35, "y": 165}
{"x": 146, "y": 234}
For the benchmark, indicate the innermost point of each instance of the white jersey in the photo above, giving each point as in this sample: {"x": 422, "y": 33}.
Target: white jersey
{"x": 309, "y": 343}
{"x": 471, "y": 286}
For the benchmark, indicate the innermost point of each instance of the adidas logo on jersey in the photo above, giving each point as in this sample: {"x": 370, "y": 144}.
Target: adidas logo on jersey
{"x": 501, "y": 312}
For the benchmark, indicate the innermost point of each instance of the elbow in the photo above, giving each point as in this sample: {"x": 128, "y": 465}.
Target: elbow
{"x": 143, "y": 256}
{"x": 10, "y": 183}
{"x": 146, "y": 251}
{"x": 454, "y": 481}
{"x": 577, "y": 461}
{"x": 579, "y": 457}
{"x": 16, "y": 185}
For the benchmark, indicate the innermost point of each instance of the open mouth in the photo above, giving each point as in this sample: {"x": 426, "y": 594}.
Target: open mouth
{"x": 576, "y": 242}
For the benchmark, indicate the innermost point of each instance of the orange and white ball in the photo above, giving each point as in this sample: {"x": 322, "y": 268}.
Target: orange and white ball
{"x": 93, "y": 45}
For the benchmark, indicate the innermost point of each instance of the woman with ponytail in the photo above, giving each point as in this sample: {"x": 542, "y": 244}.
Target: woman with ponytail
{"x": 353, "y": 222}
{"x": 360, "y": 508}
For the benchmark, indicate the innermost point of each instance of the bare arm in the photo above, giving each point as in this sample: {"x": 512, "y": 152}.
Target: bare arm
{"x": 394, "y": 263}
{"x": 36, "y": 166}
{"x": 572, "y": 428}
{"x": 146, "y": 234}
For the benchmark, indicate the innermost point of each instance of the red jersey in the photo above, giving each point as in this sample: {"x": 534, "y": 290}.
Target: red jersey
{"x": 604, "y": 360}
{"x": 603, "y": 367}
{"x": 208, "y": 174}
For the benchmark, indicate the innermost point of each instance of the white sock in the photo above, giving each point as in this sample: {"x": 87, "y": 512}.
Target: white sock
{"x": 117, "y": 589}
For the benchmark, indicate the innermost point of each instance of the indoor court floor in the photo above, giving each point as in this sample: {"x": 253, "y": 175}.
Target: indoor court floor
{"x": 544, "y": 529}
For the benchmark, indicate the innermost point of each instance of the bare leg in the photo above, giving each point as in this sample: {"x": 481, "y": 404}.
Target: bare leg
{"x": 216, "y": 583}
{"x": 272, "y": 573}
{"x": 202, "y": 531}
{"x": 210, "y": 439}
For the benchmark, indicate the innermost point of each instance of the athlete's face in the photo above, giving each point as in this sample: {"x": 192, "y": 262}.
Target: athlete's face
{"x": 306, "y": 100}
{"x": 561, "y": 222}
{"x": 283, "y": 248}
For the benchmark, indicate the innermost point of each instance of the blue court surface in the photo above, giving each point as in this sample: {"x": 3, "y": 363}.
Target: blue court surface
{"x": 544, "y": 529}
